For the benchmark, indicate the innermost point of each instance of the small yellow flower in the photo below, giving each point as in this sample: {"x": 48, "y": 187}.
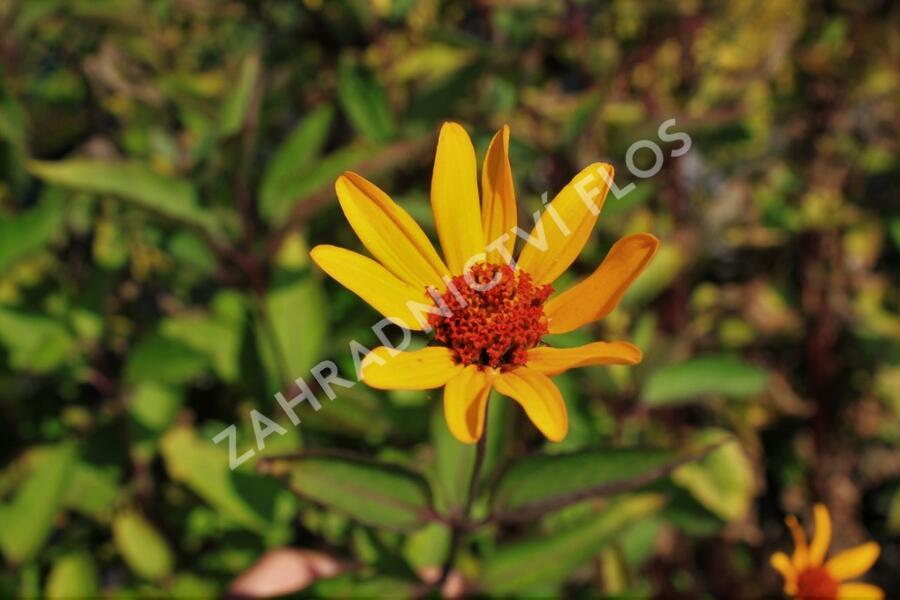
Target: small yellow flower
{"x": 807, "y": 576}
{"x": 487, "y": 312}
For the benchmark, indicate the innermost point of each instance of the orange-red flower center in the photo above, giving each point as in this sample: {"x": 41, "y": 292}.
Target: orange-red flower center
{"x": 815, "y": 583}
{"x": 491, "y": 316}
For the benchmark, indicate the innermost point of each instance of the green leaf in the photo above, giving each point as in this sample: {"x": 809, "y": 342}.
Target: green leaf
{"x": 294, "y": 156}
{"x": 72, "y": 576}
{"x": 722, "y": 481}
{"x": 24, "y": 233}
{"x": 28, "y": 520}
{"x": 566, "y": 478}
{"x": 134, "y": 182}
{"x": 36, "y": 342}
{"x": 317, "y": 177}
{"x": 454, "y": 462}
{"x": 297, "y": 311}
{"x": 244, "y": 497}
{"x": 218, "y": 336}
{"x": 92, "y": 491}
{"x": 375, "y": 494}
{"x": 704, "y": 376}
{"x": 145, "y": 551}
{"x": 427, "y": 547}
{"x": 237, "y": 105}
{"x": 365, "y": 102}
{"x": 156, "y": 358}
{"x": 661, "y": 271}
{"x": 550, "y": 560}
{"x": 353, "y": 585}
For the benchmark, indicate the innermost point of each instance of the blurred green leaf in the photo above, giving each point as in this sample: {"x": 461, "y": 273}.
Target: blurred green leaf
{"x": 353, "y": 585}
{"x": 156, "y": 358}
{"x": 289, "y": 167}
{"x": 524, "y": 565}
{"x": 163, "y": 194}
{"x": 26, "y": 232}
{"x": 27, "y": 521}
{"x": 662, "y": 270}
{"x": 36, "y": 343}
{"x": 72, "y": 576}
{"x": 237, "y": 105}
{"x": 218, "y": 336}
{"x": 697, "y": 378}
{"x": 723, "y": 480}
{"x": 92, "y": 491}
{"x": 145, "y": 551}
{"x": 244, "y": 497}
{"x": 364, "y": 101}
{"x": 375, "y": 494}
{"x": 295, "y": 323}
{"x": 313, "y": 178}
{"x": 427, "y": 547}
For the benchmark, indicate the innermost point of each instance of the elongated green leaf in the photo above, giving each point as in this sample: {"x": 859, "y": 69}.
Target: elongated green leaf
{"x": 22, "y": 234}
{"x": 550, "y": 560}
{"x": 294, "y": 156}
{"x": 565, "y": 478}
{"x": 28, "y": 520}
{"x": 243, "y": 497}
{"x": 72, "y": 576}
{"x": 168, "y": 196}
{"x": 453, "y": 464}
{"x": 697, "y": 378}
{"x": 365, "y": 103}
{"x": 313, "y": 178}
{"x": 723, "y": 480}
{"x": 297, "y": 310}
{"x": 375, "y": 494}
{"x": 234, "y": 111}
{"x": 142, "y": 547}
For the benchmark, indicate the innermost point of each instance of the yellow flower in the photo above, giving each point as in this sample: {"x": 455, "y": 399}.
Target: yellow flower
{"x": 807, "y": 576}
{"x": 487, "y": 313}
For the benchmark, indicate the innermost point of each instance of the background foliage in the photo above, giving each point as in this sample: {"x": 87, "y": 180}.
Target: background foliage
{"x": 166, "y": 165}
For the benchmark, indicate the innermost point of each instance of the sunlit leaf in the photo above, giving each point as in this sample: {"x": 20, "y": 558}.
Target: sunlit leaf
{"x": 26, "y": 522}
{"x": 722, "y": 481}
{"x": 141, "y": 546}
{"x": 72, "y": 576}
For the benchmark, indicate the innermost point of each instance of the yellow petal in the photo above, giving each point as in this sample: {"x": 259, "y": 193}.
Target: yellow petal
{"x": 498, "y": 208}
{"x": 800, "y": 557}
{"x": 553, "y": 247}
{"x": 454, "y": 198}
{"x": 781, "y": 563}
{"x": 597, "y": 296}
{"x": 853, "y": 562}
{"x": 422, "y": 369}
{"x": 859, "y": 591}
{"x": 821, "y": 536}
{"x": 539, "y": 397}
{"x": 553, "y": 361}
{"x": 465, "y": 403}
{"x": 389, "y": 233}
{"x": 372, "y": 282}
